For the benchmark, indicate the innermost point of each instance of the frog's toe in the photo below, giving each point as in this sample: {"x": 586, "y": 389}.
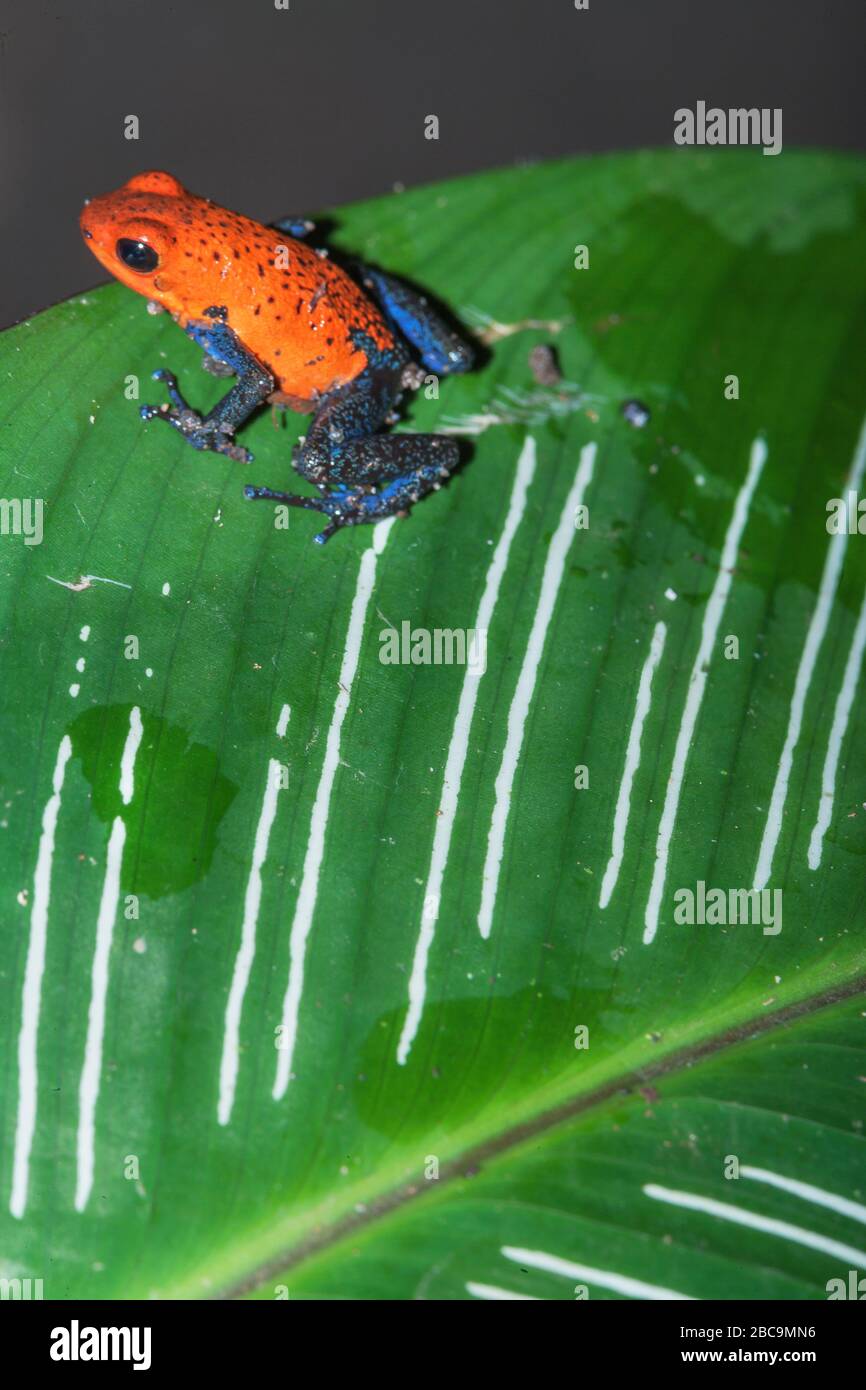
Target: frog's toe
{"x": 238, "y": 453}
{"x": 201, "y": 434}
{"x": 181, "y": 418}
{"x": 339, "y": 506}
{"x": 170, "y": 380}
{"x": 292, "y": 499}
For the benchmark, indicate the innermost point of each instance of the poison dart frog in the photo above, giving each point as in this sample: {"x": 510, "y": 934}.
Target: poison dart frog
{"x": 295, "y": 329}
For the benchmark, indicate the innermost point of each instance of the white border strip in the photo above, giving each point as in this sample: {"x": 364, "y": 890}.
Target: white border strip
{"x": 456, "y": 759}
{"x": 632, "y": 763}
{"x": 517, "y": 715}
{"x": 309, "y": 890}
{"x": 247, "y": 945}
{"x": 843, "y": 1205}
{"x": 841, "y": 715}
{"x": 697, "y": 684}
{"x": 31, "y": 994}
{"x": 691, "y": 1201}
{"x": 604, "y": 1278}
{"x": 88, "y": 1091}
{"x": 805, "y": 671}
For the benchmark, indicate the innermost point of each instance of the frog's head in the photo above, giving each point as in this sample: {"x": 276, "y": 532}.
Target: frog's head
{"x": 133, "y": 232}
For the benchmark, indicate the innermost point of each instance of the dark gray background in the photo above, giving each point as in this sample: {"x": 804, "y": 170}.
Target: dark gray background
{"x": 273, "y": 112}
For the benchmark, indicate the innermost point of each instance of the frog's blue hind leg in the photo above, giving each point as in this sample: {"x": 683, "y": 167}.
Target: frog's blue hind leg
{"x": 439, "y": 347}
{"x": 216, "y": 430}
{"x": 364, "y": 476}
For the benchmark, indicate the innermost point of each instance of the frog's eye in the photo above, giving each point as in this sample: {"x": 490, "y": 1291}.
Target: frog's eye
{"x": 138, "y": 255}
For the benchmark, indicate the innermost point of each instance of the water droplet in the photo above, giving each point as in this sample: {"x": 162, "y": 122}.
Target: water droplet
{"x": 636, "y": 413}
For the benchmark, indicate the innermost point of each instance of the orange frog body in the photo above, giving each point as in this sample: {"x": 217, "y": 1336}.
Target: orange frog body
{"x": 294, "y": 328}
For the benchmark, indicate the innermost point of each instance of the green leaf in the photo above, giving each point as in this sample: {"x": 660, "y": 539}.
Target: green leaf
{"x": 439, "y": 1128}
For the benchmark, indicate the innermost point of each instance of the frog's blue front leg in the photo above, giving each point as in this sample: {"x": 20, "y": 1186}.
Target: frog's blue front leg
{"x": 365, "y": 476}
{"x": 440, "y": 348}
{"x": 215, "y": 431}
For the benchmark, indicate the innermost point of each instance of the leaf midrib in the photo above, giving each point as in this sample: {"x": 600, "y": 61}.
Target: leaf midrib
{"x": 324, "y": 1237}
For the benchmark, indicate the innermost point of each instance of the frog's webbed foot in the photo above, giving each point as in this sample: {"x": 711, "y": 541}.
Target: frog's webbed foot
{"x": 344, "y": 507}
{"x": 201, "y": 433}
{"x": 216, "y": 430}
{"x": 338, "y": 506}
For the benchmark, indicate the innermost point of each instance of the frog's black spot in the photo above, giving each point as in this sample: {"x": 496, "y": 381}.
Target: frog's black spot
{"x": 216, "y": 255}
{"x": 270, "y": 299}
{"x": 278, "y": 318}
{"x": 236, "y": 254}
{"x": 260, "y": 268}
{"x": 188, "y": 255}
{"x": 257, "y": 311}
{"x": 278, "y": 352}
{"x": 201, "y": 241}
{"x": 330, "y": 342}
